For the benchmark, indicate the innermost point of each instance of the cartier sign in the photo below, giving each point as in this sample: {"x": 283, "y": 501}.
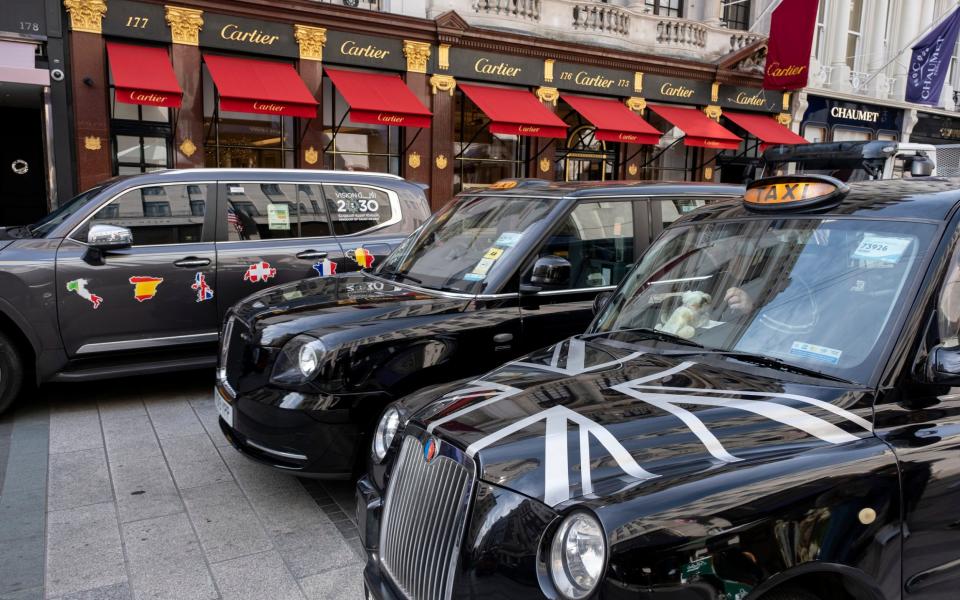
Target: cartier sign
{"x": 364, "y": 51}
{"x": 750, "y": 99}
{"x": 235, "y": 33}
{"x": 674, "y": 89}
{"x": 491, "y": 66}
{"x": 571, "y": 76}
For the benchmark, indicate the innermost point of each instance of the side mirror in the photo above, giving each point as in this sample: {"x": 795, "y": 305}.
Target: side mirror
{"x": 943, "y": 365}
{"x": 551, "y": 270}
{"x": 109, "y": 237}
{"x": 921, "y": 166}
{"x": 601, "y": 301}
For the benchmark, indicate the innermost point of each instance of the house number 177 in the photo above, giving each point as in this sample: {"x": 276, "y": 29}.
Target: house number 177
{"x": 137, "y": 22}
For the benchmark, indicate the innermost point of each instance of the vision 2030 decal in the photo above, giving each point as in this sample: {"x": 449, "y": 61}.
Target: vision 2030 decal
{"x": 557, "y": 419}
{"x": 145, "y": 287}
{"x": 325, "y": 268}
{"x": 79, "y": 286}
{"x": 363, "y": 257}
{"x": 204, "y": 291}
{"x": 258, "y": 272}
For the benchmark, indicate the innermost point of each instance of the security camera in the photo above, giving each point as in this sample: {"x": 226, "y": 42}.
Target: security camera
{"x": 57, "y": 75}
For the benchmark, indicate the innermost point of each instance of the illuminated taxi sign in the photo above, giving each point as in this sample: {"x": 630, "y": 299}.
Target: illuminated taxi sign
{"x": 506, "y": 184}
{"x": 793, "y": 191}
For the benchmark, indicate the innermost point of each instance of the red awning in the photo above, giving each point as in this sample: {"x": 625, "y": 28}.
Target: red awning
{"x": 515, "y": 112}
{"x": 766, "y": 129}
{"x": 698, "y": 129}
{"x": 614, "y": 121}
{"x": 143, "y": 75}
{"x": 380, "y": 99}
{"x": 260, "y": 86}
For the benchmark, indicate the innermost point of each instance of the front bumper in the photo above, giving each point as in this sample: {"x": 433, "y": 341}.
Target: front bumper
{"x": 309, "y": 435}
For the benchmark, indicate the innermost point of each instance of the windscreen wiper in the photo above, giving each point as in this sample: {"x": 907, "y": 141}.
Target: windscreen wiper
{"x": 398, "y": 276}
{"x": 776, "y": 363}
{"x": 664, "y": 336}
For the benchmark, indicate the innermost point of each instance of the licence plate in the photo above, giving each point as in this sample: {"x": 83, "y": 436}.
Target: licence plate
{"x": 223, "y": 407}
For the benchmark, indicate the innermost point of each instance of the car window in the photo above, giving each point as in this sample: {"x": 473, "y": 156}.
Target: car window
{"x": 156, "y": 214}
{"x": 597, "y": 240}
{"x": 356, "y": 208}
{"x": 672, "y": 209}
{"x": 948, "y": 305}
{"x": 269, "y": 211}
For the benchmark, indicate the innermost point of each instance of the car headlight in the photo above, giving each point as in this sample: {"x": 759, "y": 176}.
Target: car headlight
{"x": 386, "y": 430}
{"x": 578, "y": 555}
{"x": 300, "y": 359}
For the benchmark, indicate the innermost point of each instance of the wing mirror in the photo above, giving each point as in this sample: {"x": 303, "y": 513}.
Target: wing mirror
{"x": 109, "y": 237}
{"x": 551, "y": 271}
{"x": 600, "y": 302}
{"x": 921, "y": 166}
{"x": 943, "y": 365}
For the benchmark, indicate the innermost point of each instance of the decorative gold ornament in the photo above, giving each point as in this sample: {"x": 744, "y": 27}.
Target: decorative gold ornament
{"x": 545, "y": 165}
{"x": 441, "y": 162}
{"x": 548, "y": 69}
{"x": 443, "y": 57}
{"x": 311, "y": 156}
{"x": 413, "y": 159}
{"x": 92, "y": 142}
{"x": 185, "y": 25}
{"x": 187, "y": 147}
{"x": 311, "y": 41}
{"x": 443, "y": 83}
{"x": 86, "y": 15}
{"x": 637, "y": 104}
{"x": 632, "y": 169}
{"x": 548, "y": 94}
{"x": 638, "y": 82}
{"x": 708, "y": 173}
{"x": 715, "y": 92}
{"x": 786, "y": 101}
{"x": 418, "y": 55}
{"x": 784, "y": 119}
{"x": 713, "y": 111}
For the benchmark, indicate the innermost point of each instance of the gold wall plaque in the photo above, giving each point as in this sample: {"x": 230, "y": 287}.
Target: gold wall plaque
{"x": 548, "y": 94}
{"x": 187, "y": 147}
{"x": 545, "y": 165}
{"x": 443, "y": 57}
{"x": 443, "y": 83}
{"x": 784, "y": 119}
{"x": 311, "y": 156}
{"x": 311, "y": 41}
{"x": 418, "y": 55}
{"x": 638, "y": 82}
{"x": 786, "y": 101}
{"x": 637, "y": 104}
{"x": 86, "y": 15}
{"x": 185, "y": 25}
{"x": 92, "y": 142}
{"x": 708, "y": 173}
{"x": 715, "y": 92}
{"x": 713, "y": 111}
{"x": 548, "y": 69}
{"x": 441, "y": 162}
{"x": 632, "y": 169}
{"x": 413, "y": 159}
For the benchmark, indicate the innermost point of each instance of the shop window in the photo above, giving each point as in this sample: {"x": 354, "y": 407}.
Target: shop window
{"x": 736, "y": 14}
{"x": 244, "y": 140}
{"x": 350, "y": 146}
{"x": 155, "y": 214}
{"x": 270, "y": 211}
{"x": 854, "y": 36}
{"x": 481, "y": 157}
{"x": 585, "y": 158}
{"x": 815, "y": 133}
{"x": 141, "y": 137}
{"x": 665, "y": 8}
{"x": 820, "y": 33}
{"x": 842, "y": 134}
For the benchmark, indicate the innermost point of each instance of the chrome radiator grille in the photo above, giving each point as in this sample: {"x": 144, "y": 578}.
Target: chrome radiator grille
{"x": 423, "y": 520}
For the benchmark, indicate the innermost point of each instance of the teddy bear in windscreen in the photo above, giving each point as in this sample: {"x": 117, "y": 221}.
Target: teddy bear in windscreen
{"x": 688, "y": 316}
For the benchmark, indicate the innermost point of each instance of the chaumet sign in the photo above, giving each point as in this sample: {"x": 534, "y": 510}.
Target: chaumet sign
{"x": 855, "y": 114}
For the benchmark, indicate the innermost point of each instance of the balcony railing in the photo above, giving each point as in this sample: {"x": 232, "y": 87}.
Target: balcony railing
{"x": 524, "y": 10}
{"x": 601, "y": 18}
{"x": 683, "y": 33}
{"x": 376, "y": 5}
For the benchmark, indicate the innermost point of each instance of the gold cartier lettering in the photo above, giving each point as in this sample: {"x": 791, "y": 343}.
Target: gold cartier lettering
{"x": 585, "y": 78}
{"x": 142, "y": 97}
{"x": 745, "y": 99}
{"x": 350, "y": 48}
{"x": 486, "y": 67}
{"x": 528, "y": 129}
{"x": 268, "y": 107}
{"x": 628, "y": 137}
{"x": 255, "y": 36}
{"x": 778, "y": 70}
{"x": 395, "y": 119}
{"x": 677, "y": 91}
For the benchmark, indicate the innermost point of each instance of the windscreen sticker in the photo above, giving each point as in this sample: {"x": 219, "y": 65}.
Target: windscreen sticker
{"x": 145, "y": 287}
{"x": 80, "y": 287}
{"x": 260, "y": 271}
{"x": 815, "y": 352}
{"x": 508, "y": 239}
{"x": 882, "y": 248}
{"x": 493, "y": 253}
{"x": 278, "y": 216}
{"x": 204, "y": 291}
{"x": 236, "y": 189}
{"x": 325, "y": 268}
{"x": 483, "y": 266}
{"x": 473, "y": 277}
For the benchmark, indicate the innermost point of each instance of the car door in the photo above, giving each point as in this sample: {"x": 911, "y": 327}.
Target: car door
{"x": 360, "y": 213}
{"x": 157, "y": 293}
{"x": 599, "y": 240}
{"x": 270, "y": 233}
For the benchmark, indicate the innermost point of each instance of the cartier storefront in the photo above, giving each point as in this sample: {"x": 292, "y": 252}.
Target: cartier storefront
{"x": 302, "y": 84}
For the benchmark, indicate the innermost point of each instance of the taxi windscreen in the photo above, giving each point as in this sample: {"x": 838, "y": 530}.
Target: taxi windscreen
{"x": 817, "y": 293}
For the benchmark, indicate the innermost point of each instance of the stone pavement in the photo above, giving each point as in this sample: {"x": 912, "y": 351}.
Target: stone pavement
{"x": 127, "y": 489}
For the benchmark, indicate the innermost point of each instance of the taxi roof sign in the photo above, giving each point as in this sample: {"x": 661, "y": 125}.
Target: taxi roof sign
{"x": 791, "y": 192}
{"x": 504, "y": 184}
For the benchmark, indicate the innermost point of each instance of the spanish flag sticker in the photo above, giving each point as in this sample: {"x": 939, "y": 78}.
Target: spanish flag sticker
{"x": 145, "y": 288}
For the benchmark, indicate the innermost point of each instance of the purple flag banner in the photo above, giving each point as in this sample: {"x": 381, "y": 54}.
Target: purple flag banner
{"x": 930, "y": 62}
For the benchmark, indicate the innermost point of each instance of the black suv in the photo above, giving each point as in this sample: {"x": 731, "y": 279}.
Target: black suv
{"x": 135, "y": 275}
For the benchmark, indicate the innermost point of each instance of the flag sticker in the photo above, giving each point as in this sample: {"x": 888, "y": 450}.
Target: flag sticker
{"x": 145, "y": 287}
{"x": 325, "y": 267}
{"x": 260, "y": 271}
{"x": 204, "y": 291}
{"x": 80, "y": 287}
{"x": 363, "y": 257}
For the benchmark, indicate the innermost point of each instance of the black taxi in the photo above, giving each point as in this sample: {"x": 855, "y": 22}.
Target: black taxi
{"x": 307, "y": 368}
{"x": 767, "y": 407}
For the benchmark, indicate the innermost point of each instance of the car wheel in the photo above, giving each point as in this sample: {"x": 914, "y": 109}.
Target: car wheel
{"x": 790, "y": 594}
{"x": 11, "y": 372}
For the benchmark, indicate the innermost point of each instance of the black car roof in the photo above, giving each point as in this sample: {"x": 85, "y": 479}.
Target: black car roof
{"x": 605, "y": 189}
{"x": 279, "y": 175}
{"x": 853, "y": 150}
{"x": 932, "y": 198}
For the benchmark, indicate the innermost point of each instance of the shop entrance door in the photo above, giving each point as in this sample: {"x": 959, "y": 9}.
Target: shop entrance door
{"x": 23, "y": 192}
{"x": 586, "y": 158}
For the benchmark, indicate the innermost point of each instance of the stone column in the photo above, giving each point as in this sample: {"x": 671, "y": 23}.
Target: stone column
{"x": 310, "y": 131}
{"x": 838, "y": 24}
{"x": 876, "y": 54}
{"x": 711, "y": 12}
{"x": 90, "y": 88}
{"x": 185, "y": 24}
{"x": 418, "y": 142}
{"x": 907, "y": 29}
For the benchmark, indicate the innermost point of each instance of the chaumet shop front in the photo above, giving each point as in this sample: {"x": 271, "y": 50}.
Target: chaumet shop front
{"x": 159, "y": 86}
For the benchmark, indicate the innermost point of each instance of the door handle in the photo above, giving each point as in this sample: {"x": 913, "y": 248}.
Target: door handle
{"x": 191, "y": 262}
{"x": 311, "y": 254}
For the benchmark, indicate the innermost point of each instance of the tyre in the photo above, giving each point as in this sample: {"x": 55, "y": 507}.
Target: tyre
{"x": 790, "y": 594}
{"x": 11, "y": 372}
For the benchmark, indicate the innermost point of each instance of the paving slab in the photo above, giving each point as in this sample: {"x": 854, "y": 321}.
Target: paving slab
{"x": 78, "y": 478}
{"x": 21, "y": 515}
{"x": 75, "y": 426}
{"x": 209, "y": 417}
{"x": 119, "y": 591}
{"x": 143, "y": 485}
{"x": 225, "y": 522}
{"x": 256, "y": 577}
{"x": 173, "y": 417}
{"x": 21, "y": 565}
{"x": 194, "y": 461}
{"x": 315, "y": 550}
{"x": 345, "y": 583}
{"x": 166, "y": 560}
{"x": 84, "y": 551}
